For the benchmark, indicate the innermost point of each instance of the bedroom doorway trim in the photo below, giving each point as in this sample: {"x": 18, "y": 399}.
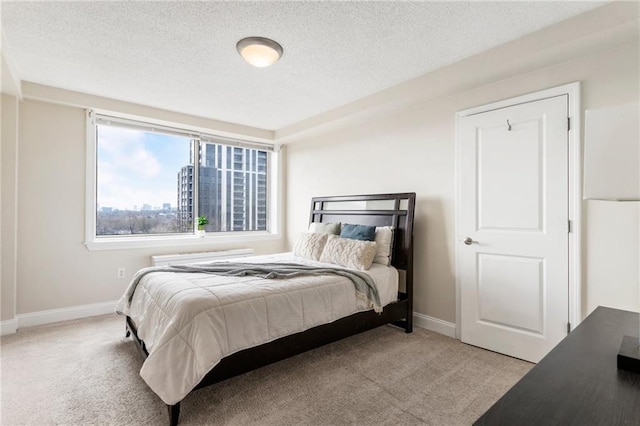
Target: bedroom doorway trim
{"x": 572, "y": 90}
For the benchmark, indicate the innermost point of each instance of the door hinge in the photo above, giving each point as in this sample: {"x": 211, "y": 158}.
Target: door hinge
{"x": 568, "y": 123}
{"x": 568, "y": 327}
{"x": 568, "y": 226}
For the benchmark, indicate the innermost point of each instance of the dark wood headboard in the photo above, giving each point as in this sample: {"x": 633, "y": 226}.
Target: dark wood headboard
{"x": 378, "y": 209}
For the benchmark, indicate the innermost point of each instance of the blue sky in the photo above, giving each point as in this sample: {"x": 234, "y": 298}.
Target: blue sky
{"x": 136, "y": 167}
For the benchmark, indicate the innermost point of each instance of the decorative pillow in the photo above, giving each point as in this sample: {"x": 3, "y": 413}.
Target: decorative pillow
{"x": 358, "y": 232}
{"x": 384, "y": 245}
{"x": 325, "y": 228}
{"x": 348, "y": 252}
{"x": 310, "y": 245}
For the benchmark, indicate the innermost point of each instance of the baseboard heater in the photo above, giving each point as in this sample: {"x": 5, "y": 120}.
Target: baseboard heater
{"x": 201, "y": 257}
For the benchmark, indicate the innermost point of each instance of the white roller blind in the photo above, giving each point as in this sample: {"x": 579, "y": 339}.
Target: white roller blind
{"x": 204, "y": 137}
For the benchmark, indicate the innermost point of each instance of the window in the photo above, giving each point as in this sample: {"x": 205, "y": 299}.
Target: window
{"x": 151, "y": 181}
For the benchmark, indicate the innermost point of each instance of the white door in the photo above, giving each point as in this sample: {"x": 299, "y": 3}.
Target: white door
{"x": 514, "y": 217}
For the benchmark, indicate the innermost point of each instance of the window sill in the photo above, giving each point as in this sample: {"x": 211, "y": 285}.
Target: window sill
{"x": 210, "y": 239}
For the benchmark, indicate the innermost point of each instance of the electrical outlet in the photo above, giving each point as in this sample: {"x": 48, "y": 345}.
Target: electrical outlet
{"x": 121, "y": 272}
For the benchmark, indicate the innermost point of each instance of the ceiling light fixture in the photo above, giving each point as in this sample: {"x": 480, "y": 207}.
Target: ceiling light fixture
{"x": 259, "y": 51}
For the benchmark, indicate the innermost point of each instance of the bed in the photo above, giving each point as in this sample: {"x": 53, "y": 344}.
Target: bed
{"x": 258, "y": 317}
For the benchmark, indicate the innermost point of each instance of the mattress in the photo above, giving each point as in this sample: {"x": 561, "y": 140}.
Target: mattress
{"x": 190, "y": 321}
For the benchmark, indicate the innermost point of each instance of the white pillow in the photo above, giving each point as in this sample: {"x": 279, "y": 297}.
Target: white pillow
{"x": 347, "y": 252}
{"x": 325, "y": 228}
{"x": 310, "y": 245}
{"x": 384, "y": 243}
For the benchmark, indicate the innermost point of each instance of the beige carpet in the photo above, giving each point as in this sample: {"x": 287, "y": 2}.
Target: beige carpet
{"x": 85, "y": 372}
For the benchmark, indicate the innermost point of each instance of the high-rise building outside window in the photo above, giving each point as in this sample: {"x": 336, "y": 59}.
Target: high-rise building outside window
{"x": 154, "y": 180}
{"x": 244, "y": 200}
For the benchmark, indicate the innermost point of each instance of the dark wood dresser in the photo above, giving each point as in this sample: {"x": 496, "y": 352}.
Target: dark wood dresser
{"x": 578, "y": 382}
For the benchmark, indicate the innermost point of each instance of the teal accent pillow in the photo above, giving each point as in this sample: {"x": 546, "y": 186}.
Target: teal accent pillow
{"x": 358, "y": 232}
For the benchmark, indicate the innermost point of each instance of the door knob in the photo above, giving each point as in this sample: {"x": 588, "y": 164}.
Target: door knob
{"x": 468, "y": 241}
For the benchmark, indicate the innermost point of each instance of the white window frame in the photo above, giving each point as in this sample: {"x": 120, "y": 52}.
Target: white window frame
{"x": 211, "y": 239}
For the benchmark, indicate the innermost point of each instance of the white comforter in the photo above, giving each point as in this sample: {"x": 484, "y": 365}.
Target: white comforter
{"x": 190, "y": 321}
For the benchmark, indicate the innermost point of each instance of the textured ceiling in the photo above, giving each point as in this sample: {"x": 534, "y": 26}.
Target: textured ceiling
{"x": 181, "y": 56}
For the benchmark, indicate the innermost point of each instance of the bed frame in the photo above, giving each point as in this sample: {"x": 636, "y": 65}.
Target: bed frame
{"x": 380, "y": 210}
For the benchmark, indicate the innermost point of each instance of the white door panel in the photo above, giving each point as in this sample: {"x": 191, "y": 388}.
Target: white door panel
{"x": 514, "y": 206}
{"x": 503, "y": 163}
{"x": 510, "y": 291}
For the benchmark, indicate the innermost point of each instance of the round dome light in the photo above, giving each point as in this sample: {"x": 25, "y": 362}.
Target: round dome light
{"x": 259, "y": 51}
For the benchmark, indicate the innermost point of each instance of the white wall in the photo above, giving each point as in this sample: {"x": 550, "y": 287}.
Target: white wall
{"x": 8, "y": 152}
{"x": 54, "y": 268}
{"x": 412, "y": 149}
{"x": 11, "y": 91}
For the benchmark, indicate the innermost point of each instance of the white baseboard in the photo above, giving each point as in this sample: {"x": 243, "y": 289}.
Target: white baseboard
{"x": 434, "y": 324}
{"x": 8, "y": 327}
{"x": 76, "y": 312}
{"x": 57, "y": 315}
